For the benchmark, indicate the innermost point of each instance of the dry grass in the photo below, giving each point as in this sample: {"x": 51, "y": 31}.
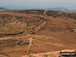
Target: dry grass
{"x": 50, "y": 33}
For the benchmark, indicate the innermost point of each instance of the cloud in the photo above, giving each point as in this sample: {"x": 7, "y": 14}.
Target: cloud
{"x": 37, "y": 3}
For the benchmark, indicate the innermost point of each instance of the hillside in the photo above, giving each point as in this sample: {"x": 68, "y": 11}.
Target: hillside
{"x": 51, "y": 32}
{"x": 63, "y": 9}
{"x": 3, "y": 9}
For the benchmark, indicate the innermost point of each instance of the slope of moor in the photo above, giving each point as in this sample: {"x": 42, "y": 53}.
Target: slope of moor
{"x": 51, "y": 32}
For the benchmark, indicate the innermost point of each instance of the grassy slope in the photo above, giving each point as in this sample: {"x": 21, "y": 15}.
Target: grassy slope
{"x": 55, "y": 34}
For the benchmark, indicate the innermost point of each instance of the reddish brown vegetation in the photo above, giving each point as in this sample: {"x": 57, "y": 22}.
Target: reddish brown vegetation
{"x": 52, "y": 32}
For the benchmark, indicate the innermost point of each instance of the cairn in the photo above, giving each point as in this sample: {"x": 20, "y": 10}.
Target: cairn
{"x": 45, "y": 12}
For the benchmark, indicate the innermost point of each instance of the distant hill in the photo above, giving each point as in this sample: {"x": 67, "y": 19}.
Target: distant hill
{"x": 3, "y": 9}
{"x": 63, "y": 9}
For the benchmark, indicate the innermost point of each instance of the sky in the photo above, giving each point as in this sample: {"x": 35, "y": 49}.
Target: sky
{"x": 35, "y": 4}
